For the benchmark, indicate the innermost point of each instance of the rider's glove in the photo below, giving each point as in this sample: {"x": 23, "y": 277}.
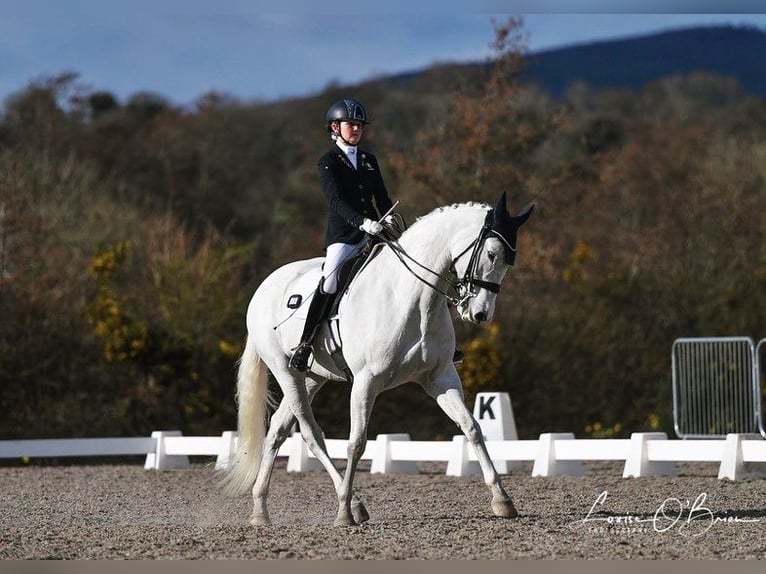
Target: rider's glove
{"x": 371, "y": 227}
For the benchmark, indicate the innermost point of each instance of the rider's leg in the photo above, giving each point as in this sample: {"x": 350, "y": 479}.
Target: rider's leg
{"x": 337, "y": 254}
{"x": 320, "y": 305}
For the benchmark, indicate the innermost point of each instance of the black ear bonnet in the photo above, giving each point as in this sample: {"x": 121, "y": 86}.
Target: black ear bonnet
{"x": 505, "y": 226}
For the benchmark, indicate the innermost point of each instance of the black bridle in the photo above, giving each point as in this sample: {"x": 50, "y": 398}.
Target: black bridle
{"x": 463, "y": 286}
{"x": 469, "y": 277}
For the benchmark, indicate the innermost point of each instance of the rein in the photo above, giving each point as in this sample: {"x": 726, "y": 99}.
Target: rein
{"x": 401, "y": 255}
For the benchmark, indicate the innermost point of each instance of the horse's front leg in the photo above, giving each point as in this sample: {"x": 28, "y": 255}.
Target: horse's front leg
{"x": 350, "y": 510}
{"x": 448, "y": 393}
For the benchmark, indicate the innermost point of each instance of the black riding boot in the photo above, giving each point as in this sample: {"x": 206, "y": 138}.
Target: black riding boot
{"x": 320, "y": 305}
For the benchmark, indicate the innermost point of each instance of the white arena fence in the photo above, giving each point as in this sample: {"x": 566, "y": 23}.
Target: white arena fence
{"x": 643, "y": 454}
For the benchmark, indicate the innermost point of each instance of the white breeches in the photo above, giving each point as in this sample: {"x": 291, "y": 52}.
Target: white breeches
{"x": 337, "y": 254}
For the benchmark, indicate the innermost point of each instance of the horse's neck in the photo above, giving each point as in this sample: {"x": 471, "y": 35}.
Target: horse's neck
{"x": 429, "y": 247}
{"x": 430, "y": 243}
{"x": 437, "y": 236}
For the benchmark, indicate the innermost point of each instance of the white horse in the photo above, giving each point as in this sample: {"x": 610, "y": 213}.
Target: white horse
{"x": 396, "y": 327}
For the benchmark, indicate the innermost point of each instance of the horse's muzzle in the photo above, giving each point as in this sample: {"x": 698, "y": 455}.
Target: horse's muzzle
{"x": 477, "y": 318}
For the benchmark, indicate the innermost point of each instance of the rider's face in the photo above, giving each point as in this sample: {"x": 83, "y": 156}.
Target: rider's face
{"x": 351, "y": 131}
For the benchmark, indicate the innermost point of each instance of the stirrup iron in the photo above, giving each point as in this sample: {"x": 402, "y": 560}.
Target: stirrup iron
{"x": 300, "y": 358}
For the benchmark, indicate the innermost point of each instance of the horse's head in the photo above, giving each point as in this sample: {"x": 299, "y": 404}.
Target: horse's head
{"x": 491, "y": 254}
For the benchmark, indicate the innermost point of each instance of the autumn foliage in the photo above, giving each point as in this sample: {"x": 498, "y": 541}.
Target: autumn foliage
{"x": 132, "y": 235}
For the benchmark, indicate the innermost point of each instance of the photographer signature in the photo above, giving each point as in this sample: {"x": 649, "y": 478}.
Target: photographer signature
{"x": 689, "y": 518}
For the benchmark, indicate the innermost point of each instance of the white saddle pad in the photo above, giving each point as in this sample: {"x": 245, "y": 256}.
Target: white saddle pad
{"x": 301, "y": 291}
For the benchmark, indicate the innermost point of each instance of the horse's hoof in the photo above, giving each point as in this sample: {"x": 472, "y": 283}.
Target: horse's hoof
{"x": 344, "y": 521}
{"x": 360, "y": 512}
{"x": 260, "y": 520}
{"x": 504, "y": 509}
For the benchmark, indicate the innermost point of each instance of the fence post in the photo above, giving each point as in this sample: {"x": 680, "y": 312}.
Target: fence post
{"x": 733, "y": 466}
{"x": 228, "y": 450}
{"x": 381, "y": 461}
{"x": 158, "y": 460}
{"x": 638, "y": 463}
{"x": 459, "y": 464}
{"x": 299, "y": 459}
{"x": 545, "y": 461}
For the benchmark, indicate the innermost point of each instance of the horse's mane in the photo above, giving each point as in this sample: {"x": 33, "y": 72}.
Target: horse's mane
{"x": 454, "y": 206}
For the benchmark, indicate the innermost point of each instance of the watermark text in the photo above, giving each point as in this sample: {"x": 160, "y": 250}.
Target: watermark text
{"x": 685, "y": 517}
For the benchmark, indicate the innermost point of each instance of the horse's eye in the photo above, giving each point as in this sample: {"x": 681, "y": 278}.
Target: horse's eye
{"x": 491, "y": 256}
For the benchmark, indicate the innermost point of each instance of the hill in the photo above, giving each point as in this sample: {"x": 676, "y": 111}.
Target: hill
{"x": 630, "y": 63}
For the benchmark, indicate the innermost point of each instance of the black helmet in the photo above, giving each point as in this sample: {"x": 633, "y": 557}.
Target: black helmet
{"x": 348, "y": 110}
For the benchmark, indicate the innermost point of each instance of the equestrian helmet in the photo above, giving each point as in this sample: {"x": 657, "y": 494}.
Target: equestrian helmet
{"x": 347, "y": 110}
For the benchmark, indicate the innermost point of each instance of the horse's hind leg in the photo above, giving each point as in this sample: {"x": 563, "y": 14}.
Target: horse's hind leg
{"x": 279, "y": 429}
{"x": 448, "y": 393}
{"x": 298, "y": 399}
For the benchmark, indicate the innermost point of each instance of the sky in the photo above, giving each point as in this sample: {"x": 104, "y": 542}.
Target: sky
{"x": 184, "y": 49}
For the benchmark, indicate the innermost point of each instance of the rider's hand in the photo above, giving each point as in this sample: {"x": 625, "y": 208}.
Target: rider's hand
{"x": 371, "y": 227}
{"x": 389, "y": 219}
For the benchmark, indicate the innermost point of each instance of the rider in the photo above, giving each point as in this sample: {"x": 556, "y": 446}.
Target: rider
{"x": 356, "y": 196}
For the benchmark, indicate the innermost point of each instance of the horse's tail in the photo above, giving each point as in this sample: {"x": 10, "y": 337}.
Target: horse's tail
{"x": 252, "y": 402}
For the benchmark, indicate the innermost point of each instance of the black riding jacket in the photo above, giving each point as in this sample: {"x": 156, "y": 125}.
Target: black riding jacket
{"x": 352, "y": 194}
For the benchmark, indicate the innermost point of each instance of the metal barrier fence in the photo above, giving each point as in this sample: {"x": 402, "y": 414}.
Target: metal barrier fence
{"x": 716, "y": 387}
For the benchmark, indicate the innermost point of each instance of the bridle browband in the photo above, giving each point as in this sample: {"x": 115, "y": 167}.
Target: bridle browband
{"x": 463, "y": 286}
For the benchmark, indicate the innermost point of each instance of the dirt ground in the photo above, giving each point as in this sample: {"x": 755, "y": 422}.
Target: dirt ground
{"x": 126, "y": 512}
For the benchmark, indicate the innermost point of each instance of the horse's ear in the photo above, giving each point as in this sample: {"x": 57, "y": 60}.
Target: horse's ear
{"x": 523, "y": 215}
{"x": 500, "y": 205}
